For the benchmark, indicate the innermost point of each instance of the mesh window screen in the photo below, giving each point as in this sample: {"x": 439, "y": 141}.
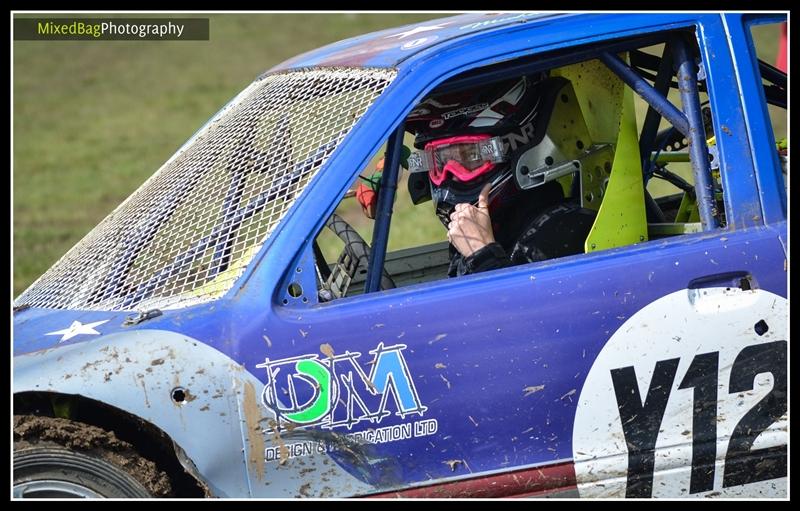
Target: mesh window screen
{"x": 190, "y": 230}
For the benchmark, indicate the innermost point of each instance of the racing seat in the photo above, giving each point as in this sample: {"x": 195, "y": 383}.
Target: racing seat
{"x": 591, "y": 149}
{"x": 611, "y": 182}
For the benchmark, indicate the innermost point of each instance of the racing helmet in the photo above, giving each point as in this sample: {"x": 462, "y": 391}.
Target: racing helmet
{"x": 468, "y": 138}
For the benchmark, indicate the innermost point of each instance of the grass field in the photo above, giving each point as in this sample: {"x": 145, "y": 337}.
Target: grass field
{"x": 92, "y": 120}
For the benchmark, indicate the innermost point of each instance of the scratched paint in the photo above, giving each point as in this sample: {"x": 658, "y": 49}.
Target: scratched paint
{"x": 252, "y": 415}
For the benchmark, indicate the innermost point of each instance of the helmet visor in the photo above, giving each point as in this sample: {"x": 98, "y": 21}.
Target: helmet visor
{"x": 463, "y": 157}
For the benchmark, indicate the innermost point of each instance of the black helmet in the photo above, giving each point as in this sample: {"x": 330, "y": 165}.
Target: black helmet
{"x": 496, "y": 109}
{"x": 513, "y": 112}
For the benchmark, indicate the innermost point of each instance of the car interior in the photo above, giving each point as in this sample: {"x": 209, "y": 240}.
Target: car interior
{"x": 626, "y": 159}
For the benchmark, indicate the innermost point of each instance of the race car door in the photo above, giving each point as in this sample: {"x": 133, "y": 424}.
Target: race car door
{"x": 651, "y": 369}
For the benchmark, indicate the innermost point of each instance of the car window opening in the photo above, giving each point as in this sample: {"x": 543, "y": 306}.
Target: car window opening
{"x": 593, "y": 177}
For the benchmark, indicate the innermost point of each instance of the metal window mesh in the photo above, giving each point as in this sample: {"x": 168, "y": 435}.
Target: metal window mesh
{"x": 190, "y": 230}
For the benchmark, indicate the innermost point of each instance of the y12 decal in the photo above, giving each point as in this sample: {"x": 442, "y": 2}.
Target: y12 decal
{"x": 688, "y": 398}
{"x": 642, "y": 422}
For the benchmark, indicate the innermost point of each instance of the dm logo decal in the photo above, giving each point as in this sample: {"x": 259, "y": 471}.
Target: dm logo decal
{"x": 337, "y": 391}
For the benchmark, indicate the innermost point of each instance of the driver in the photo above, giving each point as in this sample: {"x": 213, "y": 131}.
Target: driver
{"x": 468, "y": 143}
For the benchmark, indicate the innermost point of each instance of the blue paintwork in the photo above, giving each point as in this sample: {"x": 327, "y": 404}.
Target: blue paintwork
{"x": 758, "y": 125}
{"x": 388, "y": 48}
{"x": 475, "y": 343}
{"x": 742, "y": 207}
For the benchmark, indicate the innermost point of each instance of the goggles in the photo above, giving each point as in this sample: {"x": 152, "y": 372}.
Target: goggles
{"x": 464, "y": 157}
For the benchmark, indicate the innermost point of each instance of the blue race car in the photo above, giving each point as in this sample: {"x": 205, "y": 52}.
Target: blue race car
{"x": 199, "y": 342}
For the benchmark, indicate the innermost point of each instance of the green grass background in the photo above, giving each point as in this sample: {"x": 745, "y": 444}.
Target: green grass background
{"x": 93, "y": 119}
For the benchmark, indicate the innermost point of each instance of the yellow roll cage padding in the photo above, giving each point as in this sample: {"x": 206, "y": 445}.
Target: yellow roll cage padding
{"x": 608, "y": 109}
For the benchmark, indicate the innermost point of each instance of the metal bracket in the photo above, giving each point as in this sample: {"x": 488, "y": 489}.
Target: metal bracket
{"x": 135, "y": 319}
{"x": 701, "y": 71}
{"x": 713, "y": 152}
{"x": 547, "y": 173}
{"x": 538, "y": 165}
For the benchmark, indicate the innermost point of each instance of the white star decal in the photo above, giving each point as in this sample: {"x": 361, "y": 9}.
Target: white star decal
{"x": 416, "y": 30}
{"x": 77, "y": 328}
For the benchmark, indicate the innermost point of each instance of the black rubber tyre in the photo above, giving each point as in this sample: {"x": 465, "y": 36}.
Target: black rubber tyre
{"x": 59, "y": 458}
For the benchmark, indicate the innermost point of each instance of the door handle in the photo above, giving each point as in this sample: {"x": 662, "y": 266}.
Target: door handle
{"x": 711, "y": 294}
{"x": 734, "y": 279}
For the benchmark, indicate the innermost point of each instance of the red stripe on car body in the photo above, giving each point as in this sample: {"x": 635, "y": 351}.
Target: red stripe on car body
{"x": 533, "y": 482}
